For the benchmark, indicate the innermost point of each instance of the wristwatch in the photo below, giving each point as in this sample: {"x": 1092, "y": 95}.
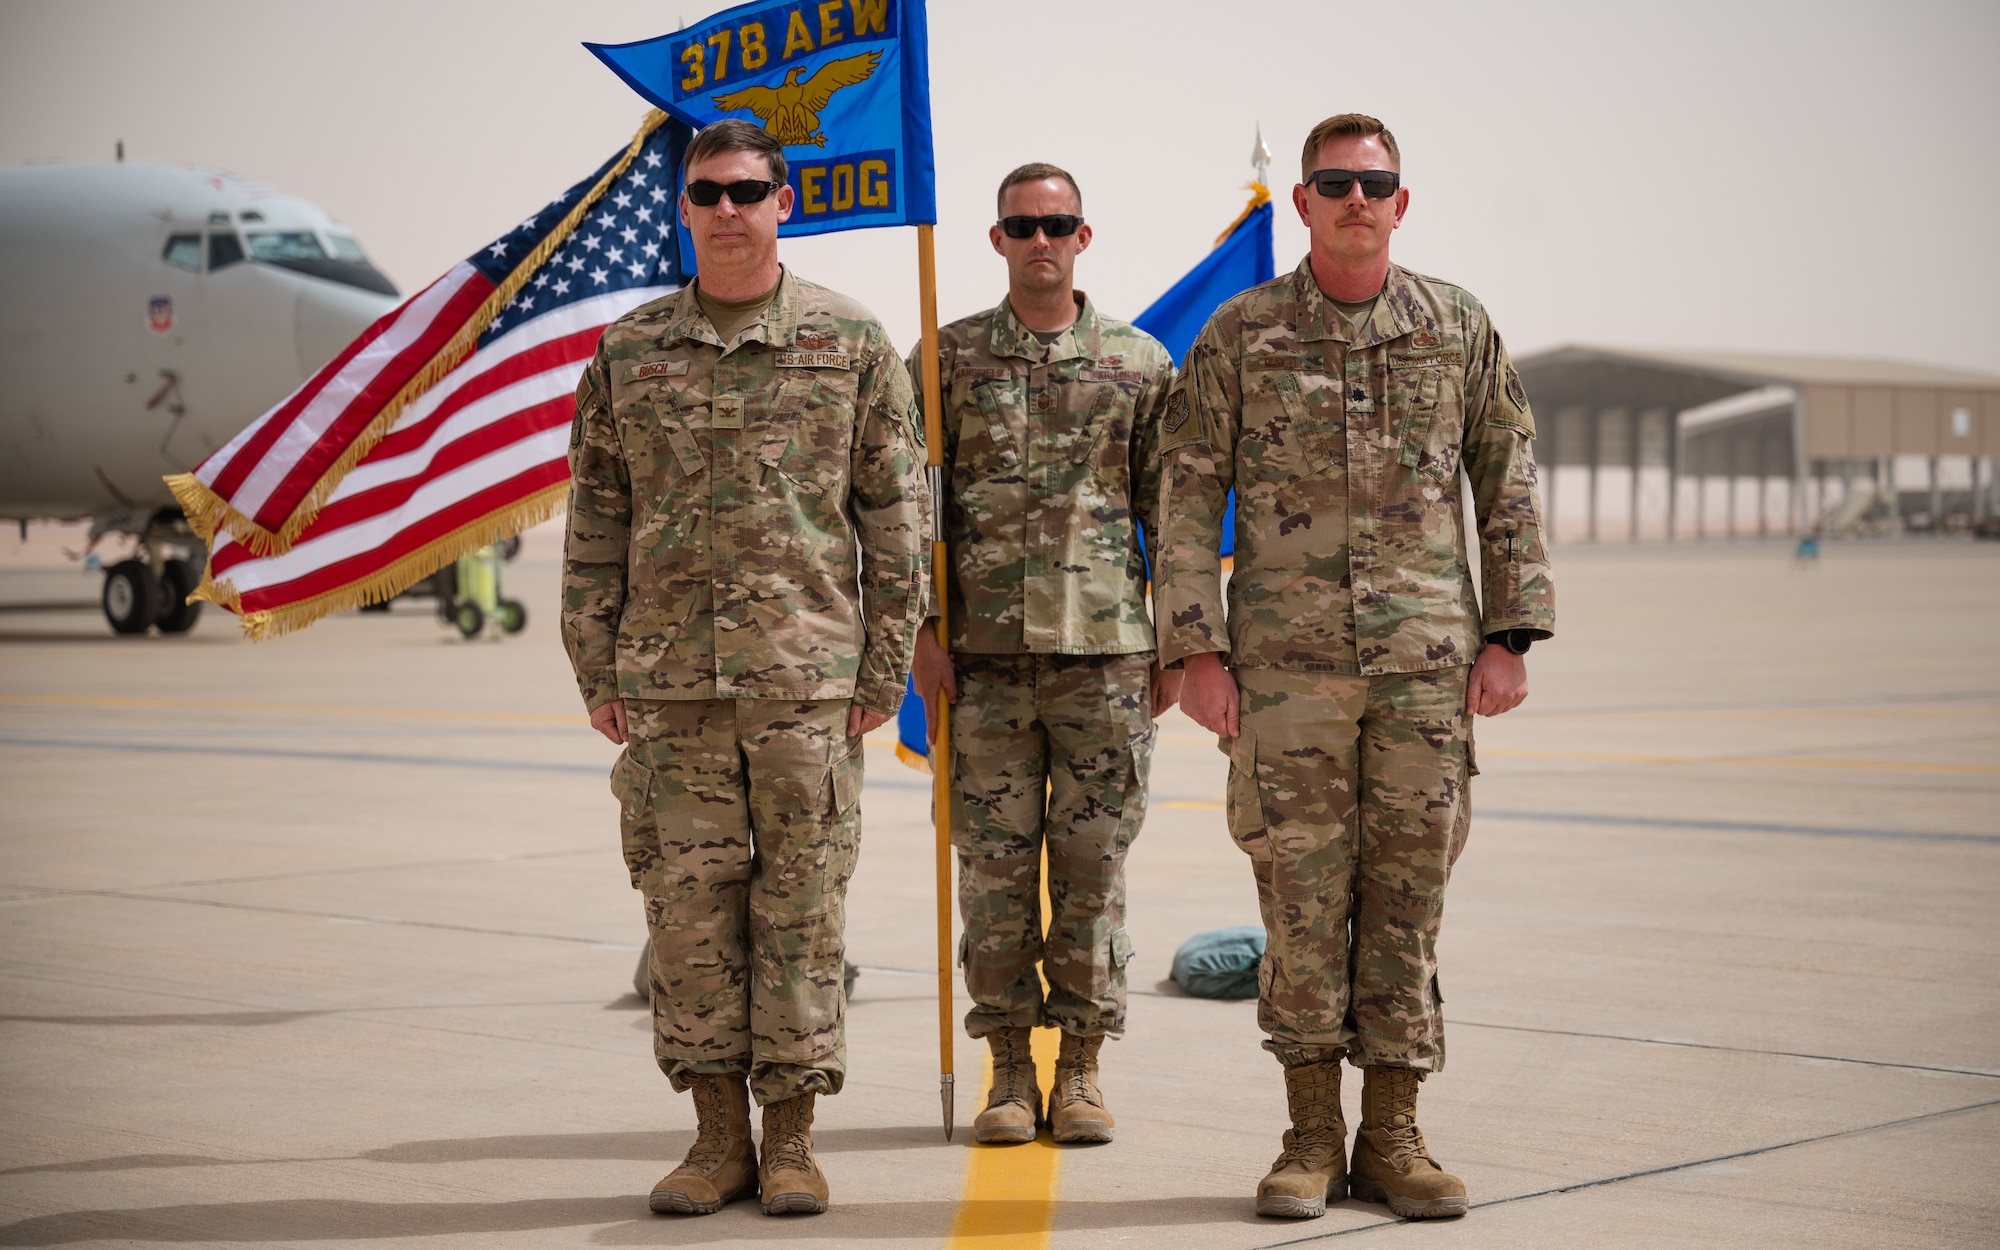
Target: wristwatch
{"x": 1516, "y": 640}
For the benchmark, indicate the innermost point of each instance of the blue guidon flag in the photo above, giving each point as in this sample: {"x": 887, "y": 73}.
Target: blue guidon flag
{"x": 843, "y": 84}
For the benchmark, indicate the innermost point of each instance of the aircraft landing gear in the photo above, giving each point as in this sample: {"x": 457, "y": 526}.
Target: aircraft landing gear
{"x": 131, "y": 596}
{"x": 178, "y": 580}
{"x": 150, "y": 589}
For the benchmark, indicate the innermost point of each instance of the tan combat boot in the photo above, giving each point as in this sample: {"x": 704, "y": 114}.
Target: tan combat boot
{"x": 1390, "y": 1162}
{"x": 787, "y": 1173}
{"x": 1014, "y": 1104}
{"x": 1313, "y": 1169}
{"x": 721, "y": 1166}
{"x": 1076, "y": 1107}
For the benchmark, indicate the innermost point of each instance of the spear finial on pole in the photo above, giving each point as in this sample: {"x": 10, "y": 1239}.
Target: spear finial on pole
{"x": 1260, "y": 158}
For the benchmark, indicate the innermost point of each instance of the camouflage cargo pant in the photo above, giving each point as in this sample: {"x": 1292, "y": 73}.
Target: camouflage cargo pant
{"x": 1047, "y": 749}
{"x": 1349, "y": 794}
{"x": 741, "y": 829}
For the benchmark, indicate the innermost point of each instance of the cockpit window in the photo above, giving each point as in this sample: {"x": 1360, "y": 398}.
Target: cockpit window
{"x": 223, "y": 249}
{"x": 183, "y": 251}
{"x": 282, "y": 245}
{"x": 345, "y": 248}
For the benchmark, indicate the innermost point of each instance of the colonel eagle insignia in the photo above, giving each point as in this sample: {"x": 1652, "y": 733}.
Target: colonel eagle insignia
{"x": 790, "y": 110}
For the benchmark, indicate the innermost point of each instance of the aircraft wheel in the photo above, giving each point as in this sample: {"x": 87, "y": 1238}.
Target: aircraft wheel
{"x": 177, "y": 615}
{"x": 513, "y": 616}
{"x": 469, "y": 619}
{"x": 131, "y": 596}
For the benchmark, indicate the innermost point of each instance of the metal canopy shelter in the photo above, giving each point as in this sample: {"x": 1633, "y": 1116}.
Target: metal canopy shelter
{"x": 1797, "y": 419}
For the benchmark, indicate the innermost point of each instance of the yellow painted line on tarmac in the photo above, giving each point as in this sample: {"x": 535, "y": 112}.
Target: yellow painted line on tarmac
{"x": 296, "y": 709}
{"x": 1010, "y": 1191}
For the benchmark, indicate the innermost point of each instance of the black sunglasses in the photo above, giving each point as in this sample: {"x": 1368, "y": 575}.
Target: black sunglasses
{"x": 1376, "y": 184}
{"x": 1055, "y": 225}
{"x": 749, "y": 191}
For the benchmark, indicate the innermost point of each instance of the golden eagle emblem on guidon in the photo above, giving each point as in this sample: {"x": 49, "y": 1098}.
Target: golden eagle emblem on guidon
{"x": 790, "y": 110}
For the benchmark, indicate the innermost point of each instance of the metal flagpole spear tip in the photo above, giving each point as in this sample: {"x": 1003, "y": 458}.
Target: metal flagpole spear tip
{"x": 945, "y": 1083}
{"x": 1260, "y": 157}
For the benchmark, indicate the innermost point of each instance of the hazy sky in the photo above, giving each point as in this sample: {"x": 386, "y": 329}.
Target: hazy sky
{"x": 1810, "y": 177}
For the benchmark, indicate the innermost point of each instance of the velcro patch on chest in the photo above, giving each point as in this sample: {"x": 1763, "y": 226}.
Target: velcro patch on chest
{"x": 1427, "y": 359}
{"x": 815, "y": 339}
{"x": 1275, "y": 360}
{"x": 1105, "y": 372}
{"x": 657, "y": 369}
{"x": 810, "y": 360}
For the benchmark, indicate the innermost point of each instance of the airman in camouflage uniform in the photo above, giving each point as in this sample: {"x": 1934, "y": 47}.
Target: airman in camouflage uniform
{"x": 1051, "y": 428}
{"x": 1357, "y": 647}
{"x": 743, "y": 577}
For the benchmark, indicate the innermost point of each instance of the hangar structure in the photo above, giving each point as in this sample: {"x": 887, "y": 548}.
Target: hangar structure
{"x": 1826, "y": 430}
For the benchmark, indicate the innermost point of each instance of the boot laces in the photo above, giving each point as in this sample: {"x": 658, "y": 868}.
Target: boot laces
{"x": 1073, "y": 1069}
{"x": 711, "y": 1139}
{"x": 1316, "y": 1122}
{"x": 1011, "y": 1068}
{"x": 787, "y": 1142}
{"x": 1007, "y": 1086}
{"x": 1078, "y": 1087}
{"x": 1396, "y": 1131}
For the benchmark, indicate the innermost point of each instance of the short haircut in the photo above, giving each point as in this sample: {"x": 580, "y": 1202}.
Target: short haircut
{"x": 1035, "y": 171}
{"x": 735, "y": 135}
{"x": 1345, "y": 125}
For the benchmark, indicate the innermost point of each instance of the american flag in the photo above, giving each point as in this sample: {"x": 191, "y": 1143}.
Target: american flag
{"x": 445, "y": 426}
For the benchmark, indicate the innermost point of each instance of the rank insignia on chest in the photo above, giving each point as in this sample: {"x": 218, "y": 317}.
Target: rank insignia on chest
{"x": 814, "y": 339}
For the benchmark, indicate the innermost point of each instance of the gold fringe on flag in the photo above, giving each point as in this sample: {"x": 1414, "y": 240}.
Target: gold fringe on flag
{"x": 379, "y": 587}
{"x": 1260, "y": 195}
{"x": 206, "y": 511}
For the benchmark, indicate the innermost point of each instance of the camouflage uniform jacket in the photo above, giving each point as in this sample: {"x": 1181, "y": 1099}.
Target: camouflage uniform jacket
{"x": 1350, "y": 548}
{"x": 732, "y": 508}
{"x": 1053, "y": 453}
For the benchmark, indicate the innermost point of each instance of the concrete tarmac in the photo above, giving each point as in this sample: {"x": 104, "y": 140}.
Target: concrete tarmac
{"x": 328, "y": 939}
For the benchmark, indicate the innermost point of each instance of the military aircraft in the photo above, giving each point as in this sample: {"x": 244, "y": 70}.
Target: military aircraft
{"x": 153, "y": 311}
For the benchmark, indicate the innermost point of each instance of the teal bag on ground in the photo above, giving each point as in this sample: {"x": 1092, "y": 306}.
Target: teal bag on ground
{"x": 1221, "y": 963}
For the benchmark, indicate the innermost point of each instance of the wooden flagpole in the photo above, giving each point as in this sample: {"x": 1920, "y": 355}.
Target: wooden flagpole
{"x": 940, "y": 573}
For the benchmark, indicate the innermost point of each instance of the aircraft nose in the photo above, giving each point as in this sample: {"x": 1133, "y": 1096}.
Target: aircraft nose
{"x": 327, "y": 317}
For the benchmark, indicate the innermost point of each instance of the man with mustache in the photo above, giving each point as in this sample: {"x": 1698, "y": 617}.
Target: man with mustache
{"x": 1340, "y": 402}
{"x": 744, "y": 572}
{"x": 1051, "y": 429}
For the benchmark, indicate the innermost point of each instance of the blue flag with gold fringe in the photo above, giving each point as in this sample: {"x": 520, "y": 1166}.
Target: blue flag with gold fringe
{"x": 843, "y": 84}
